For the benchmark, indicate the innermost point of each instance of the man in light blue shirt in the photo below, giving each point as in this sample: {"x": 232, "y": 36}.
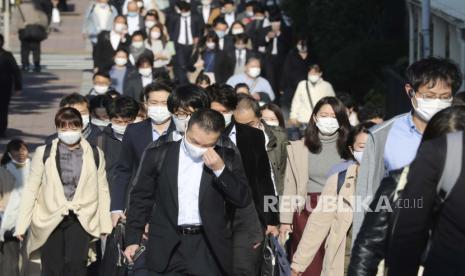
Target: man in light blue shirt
{"x": 393, "y": 144}
{"x": 259, "y": 87}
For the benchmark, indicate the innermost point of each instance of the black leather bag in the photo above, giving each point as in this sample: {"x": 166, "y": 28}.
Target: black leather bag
{"x": 33, "y": 32}
{"x": 269, "y": 266}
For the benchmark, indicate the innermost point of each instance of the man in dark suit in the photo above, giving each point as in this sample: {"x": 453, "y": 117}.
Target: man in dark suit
{"x": 184, "y": 38}
{"x": 250, "y": 142}
{"x": 136, "y": 138}
{"x": 188, "y": 233}
{"x": 108, "y": 42}
{"x": 138, "y": 79}
{"x": 10, "y": 80}
{"x": 239, "y": 55}
{"x": 81, "y": 104}
{"x": 225, "y": 40}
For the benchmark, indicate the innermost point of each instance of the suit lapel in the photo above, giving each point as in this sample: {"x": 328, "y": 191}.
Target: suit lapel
{"x": 172, "y": 157}
{"x": 205, "y": 182}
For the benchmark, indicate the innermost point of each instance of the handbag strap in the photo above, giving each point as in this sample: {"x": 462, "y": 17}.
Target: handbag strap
{"x": 308, "y": 94}
{"x": 21, "y": 14}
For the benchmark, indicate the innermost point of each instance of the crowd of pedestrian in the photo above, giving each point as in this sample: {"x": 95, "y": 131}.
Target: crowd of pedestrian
{"x": 210, "y": 144}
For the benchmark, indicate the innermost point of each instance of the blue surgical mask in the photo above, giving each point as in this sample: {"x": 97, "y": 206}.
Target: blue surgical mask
{"x": 132, "y": 14}
{"x": 220, "y": 34}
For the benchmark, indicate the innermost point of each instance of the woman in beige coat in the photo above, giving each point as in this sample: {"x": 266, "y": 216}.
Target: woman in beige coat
{"x": 332, "y": 218}
{"x": 66, "y": 202}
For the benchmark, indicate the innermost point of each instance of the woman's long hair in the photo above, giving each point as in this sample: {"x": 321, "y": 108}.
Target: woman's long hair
{"x": 13, "y": 145}
{"x": 312, "y": 139}
{"x": 163, "y": 37}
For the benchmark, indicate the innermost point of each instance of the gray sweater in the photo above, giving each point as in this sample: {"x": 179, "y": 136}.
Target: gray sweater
{"x": 321, "y": 163}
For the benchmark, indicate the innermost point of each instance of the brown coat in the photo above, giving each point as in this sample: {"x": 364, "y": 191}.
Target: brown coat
{"x": 44, "y": 204}
{"x": 295, "y": 181}
{"x": 331, "y": 222}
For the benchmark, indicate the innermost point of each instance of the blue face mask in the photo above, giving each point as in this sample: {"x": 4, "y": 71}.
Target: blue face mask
{"x": 132, "y": 14}
{"x": 220, "y": 34}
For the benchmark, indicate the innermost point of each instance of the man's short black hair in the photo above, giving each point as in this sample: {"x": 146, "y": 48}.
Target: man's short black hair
{"x": 219, "y": 20}
{"x": 184, "y": 6}
{"x": 241, "y": 85}
{"x": 223, "y": 94}
{"x": 100, "y": 101}
{"x": 186, "y": 96}
{"x": 244, "y": 38}
{"x": 368, "y": 113}
{"x": 138, "y": 33}
{"x": 73, "y": 99}
{"x": 433, "y": 69}
{"x": 157, "y": 86}
{"x": 124, "y": 107}
{"x": 208, "y": 120}
{"x": 101, "y": 74}
{"x": 144, "y": 58}
{"x": 347, "y": 100}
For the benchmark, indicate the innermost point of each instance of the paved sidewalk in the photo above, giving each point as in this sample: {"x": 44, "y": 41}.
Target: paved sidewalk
{"x": 32, "y": 112}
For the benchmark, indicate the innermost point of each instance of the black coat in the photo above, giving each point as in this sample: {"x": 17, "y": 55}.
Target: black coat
{"x": 10, "y": 75}
{"x": 136, "y": 138}
{"x": 251, "y": 145}
{"x": 133, "y": 86}
{"x": 222, "y": 66}
{"x": 111, "y": 148}
{"x": 408, "y": 240}
{"x": 233, "y": 59}
{"x": 295, "y": 69}
{"x": 162, "y": 189}
{"x": 104, "y": 53}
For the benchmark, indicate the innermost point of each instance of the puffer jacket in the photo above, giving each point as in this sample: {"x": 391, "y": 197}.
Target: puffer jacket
{"x": 372, "y": 241}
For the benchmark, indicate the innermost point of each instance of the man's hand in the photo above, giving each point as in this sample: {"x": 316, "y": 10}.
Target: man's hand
{"x": 295, "y": 273}
{"x": 284, "y": 229}
{"x": 20, "y": 237}
{"x": 145, "y": 235}
{"x": 272, "y": 229}
{"x": 271, "y": 35}
{"x": 130, "y": 251}
{"x": 293, "y": 122}
{"x": 212, "y": 160}
{"x": 117, "y": 216}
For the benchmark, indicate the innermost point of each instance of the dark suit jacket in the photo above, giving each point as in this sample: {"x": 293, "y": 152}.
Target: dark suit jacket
{"x": 174, "y": 26}
{"x": 133, "y": 86}
{"x": 222, "y": 66}
{"x": 162, "y": 189}
{"x": 251, "y": 145}
{"x": 233, "y": 60}
{"x": 228, "y": 43}
{"x": 136, "y": 138}
{"x": 10, "y": 75}
{"x": 103, "y": 52}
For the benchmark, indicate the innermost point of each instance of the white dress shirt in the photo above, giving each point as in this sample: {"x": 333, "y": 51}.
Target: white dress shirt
{"x": 240, "y": 61}
{"x": 189, "y": 178}
{"x": 115, "y": 39}
{"x": 232, "y": 135}
{"x": 206, "y": 13}
{"x": 133, "y": 24}
{"x": 103, "y": 15}
{"x": 182, "y": 31}
{"x": 146, "y": 80}
{"x": 230, "y": 18}
{"x": 221, "y": 43}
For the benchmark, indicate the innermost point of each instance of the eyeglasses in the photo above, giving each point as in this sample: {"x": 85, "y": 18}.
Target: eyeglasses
{"x": 432, "y": 96}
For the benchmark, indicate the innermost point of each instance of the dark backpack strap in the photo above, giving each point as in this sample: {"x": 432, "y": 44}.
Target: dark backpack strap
{"x": 308, "y": 94}
{"x": 341, "y": 177}
{"x": 47, "y": 150}
{"x": 96, "y": 155}
{"x": 160, "y": 158}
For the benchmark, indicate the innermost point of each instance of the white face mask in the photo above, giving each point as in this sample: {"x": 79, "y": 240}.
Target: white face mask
{"x": 427, "y": 108}
{"x": 301, "y": 49}
{"x": 85, "y": 121}
{"x": 272, "y": 123}
{"x": 69, "y": 137}
{"x": 193, "y": 151}
{"x": 313, "y": 78}
{"x": 358, "y": 156}
{"x": 101, "y": 89}
{"x": 158, "y": 113}
{"x": 155, "y": 35}
{"x": 149, "y": 24}
{"x": 210, "y": 45}
{"x": 185, "y": 14}
{"x": 145, "y": 72}
{"x": 100, "y": 123}
{"x": 237, "y": 31}
{"x": 327, "y": 125}
{"x": 121, "y": 61}
{"x": 119, "y": 27}
{"x": 181, "y": 124}
{"x": 20, "y": 164}
{"x": 254, "y": 72}
{"x": 118, "y": 129}
{"x": 227, "y": 118}
{"x": 137, "y": 44}
{"x": 249, "y": 13}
